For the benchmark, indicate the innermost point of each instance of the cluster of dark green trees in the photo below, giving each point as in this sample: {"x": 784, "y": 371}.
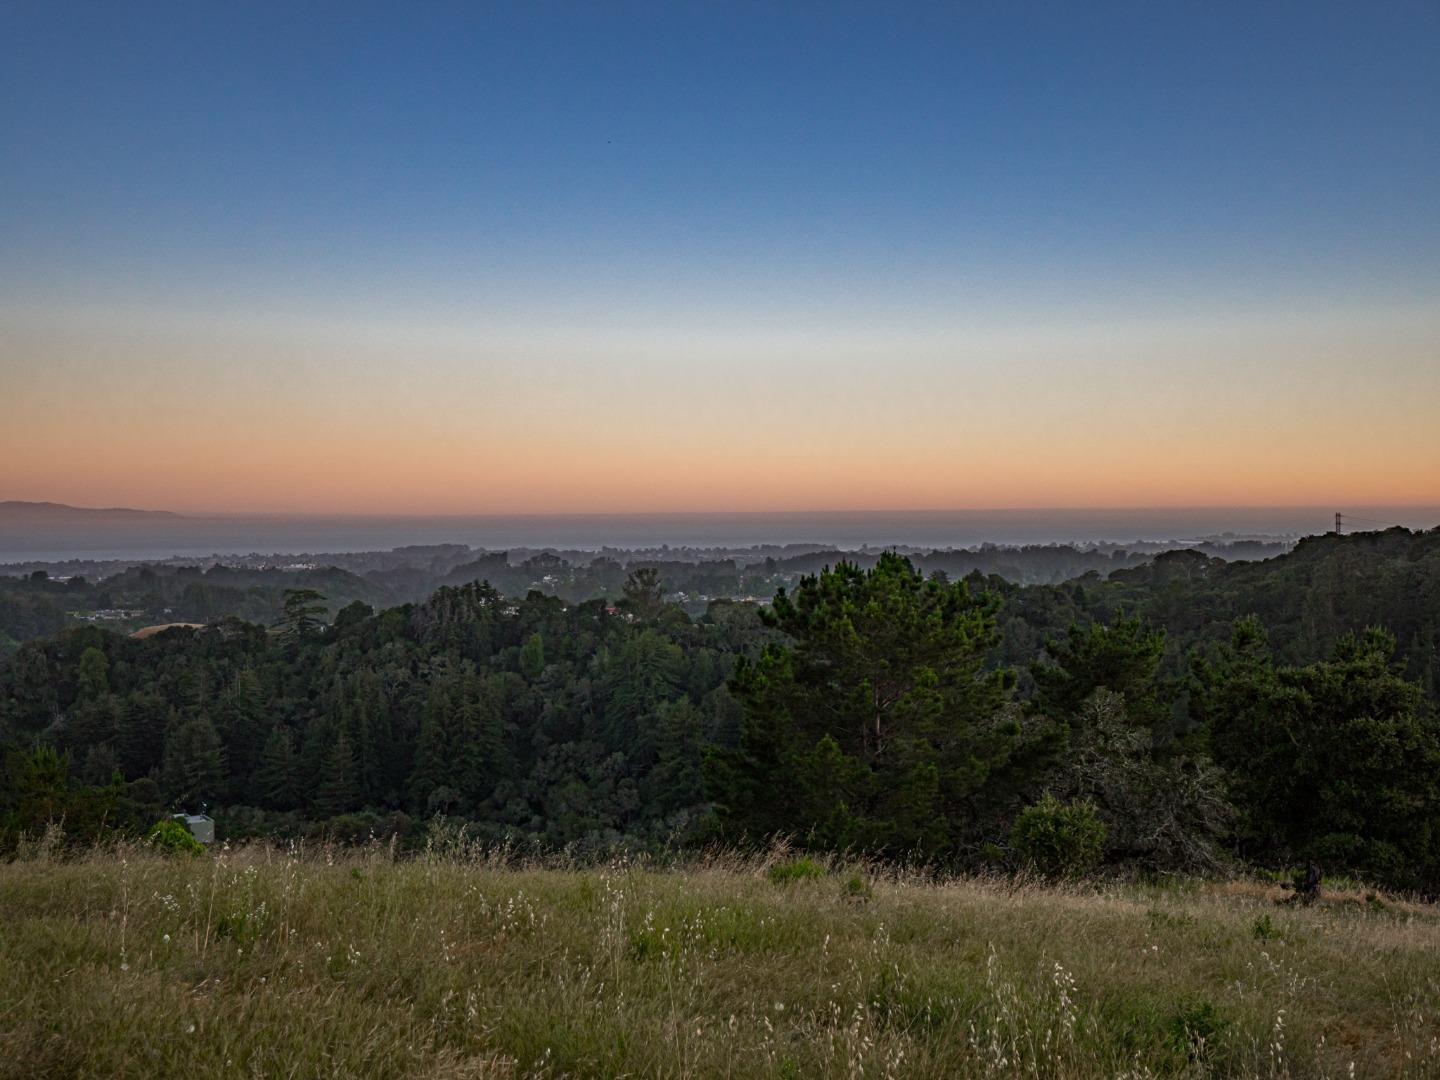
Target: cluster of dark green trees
{"x": 129, "y": 596}
{"x": 877, "y": 723}
{"x": 871, "y": 709}
{"x": 38, "y": 605}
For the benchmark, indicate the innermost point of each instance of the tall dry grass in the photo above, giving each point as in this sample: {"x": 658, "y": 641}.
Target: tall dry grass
{"x": 275, "y": 962}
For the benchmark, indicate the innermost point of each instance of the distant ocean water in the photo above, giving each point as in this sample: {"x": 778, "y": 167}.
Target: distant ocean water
{"x": 195, "y": 537}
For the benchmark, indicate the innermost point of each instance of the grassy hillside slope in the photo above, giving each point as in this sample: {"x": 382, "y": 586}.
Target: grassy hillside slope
{"x": 265, "y": 962}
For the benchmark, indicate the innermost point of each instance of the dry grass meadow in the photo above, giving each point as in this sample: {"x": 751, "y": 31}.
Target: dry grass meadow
{"x": 271, "y": 962}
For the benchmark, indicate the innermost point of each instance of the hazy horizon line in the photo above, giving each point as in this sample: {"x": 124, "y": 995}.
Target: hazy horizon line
{"x": 723, "y": 512}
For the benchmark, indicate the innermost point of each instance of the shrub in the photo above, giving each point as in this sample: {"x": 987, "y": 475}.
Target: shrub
{"x": 1263, "y": 929}
{"x": 801, "y": 869}
{"x": 1195, "y": 1028}
{"x": 1059, "y": 839}
{"x": 857, "y": 888}
{"x": 1172, "y": 920}
{"x": 171, "y": 836}
{"x": 365, "y": 826}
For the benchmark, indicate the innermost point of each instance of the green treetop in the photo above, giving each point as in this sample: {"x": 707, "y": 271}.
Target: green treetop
{"x": 878, "y": 725}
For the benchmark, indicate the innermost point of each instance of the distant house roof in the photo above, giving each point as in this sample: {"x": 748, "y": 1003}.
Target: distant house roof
{"x": 147, "y": 631}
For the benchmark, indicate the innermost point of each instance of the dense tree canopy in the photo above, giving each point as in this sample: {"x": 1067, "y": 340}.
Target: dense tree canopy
{"x": 873, "y": 707}
{"x": 878, "y": 724}
{"x": 1336, "y": 761}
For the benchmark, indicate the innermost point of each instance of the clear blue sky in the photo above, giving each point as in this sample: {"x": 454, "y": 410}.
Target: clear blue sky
{"x": 669, "y": 175}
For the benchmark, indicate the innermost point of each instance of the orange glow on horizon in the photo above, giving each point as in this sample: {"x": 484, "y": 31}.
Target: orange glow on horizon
{"x": 194, "y": 423}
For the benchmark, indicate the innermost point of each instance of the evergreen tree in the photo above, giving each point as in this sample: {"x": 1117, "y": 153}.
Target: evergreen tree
{"x": 304, "y": 615}
{"x": 93, "y": 721}
{"x": 367, "y": 721}
{"x": 1122, "y": 656}
{"x": 140, "y": 739}
{"x": 37, "y": 786}
{"x": 278, "y": 779}
{"x": 532, "y": 657}
{"x": 431, "y": 770}
{"x": 677, "y": 780}
{"x": 353, "y": 614}
{"x": 438, "y": 740}
{"x": 1336, "y": 762}
{"x": 241, "y": 722}
{"x": 642, "y": 670}
{"x": 643, "y": 593}
{"x": 480, "y": 733}
{"x": 459, "y": 746}
{"x": 101, "y": 764}
{"x": 194, "y": 768}
{"x": 339, "y": 789}
{"x": 880, "y": 725}
{"x": 92, "y": 675}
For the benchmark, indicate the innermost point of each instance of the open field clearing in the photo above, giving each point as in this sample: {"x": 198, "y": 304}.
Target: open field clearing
{"x": 260, "y": 961}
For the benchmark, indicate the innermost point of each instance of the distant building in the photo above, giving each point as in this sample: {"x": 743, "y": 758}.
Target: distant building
{"x": 201, "y": 826}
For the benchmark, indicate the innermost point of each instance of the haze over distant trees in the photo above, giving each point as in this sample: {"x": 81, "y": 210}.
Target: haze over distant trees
{"x": 40, "y": 597}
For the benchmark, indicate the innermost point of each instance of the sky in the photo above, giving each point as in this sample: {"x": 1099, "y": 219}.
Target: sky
{"x": 548, "y": 258}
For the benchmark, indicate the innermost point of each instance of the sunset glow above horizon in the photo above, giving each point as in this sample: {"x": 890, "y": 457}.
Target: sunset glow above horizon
{"x": 380, "y": 260}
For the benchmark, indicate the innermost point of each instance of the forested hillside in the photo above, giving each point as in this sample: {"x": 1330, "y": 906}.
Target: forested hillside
{"x": 1183, "y": 715}
{"x": 1327, "y": 587}
{"x": 38, "y": 599}
{"x": 37, "y": 605}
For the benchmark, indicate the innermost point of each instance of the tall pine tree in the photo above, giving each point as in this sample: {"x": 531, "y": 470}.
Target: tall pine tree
{"x": 879, "y": 725}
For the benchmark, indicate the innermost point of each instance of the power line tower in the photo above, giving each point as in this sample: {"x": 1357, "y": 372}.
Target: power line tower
{"x": 1339, "y": 522}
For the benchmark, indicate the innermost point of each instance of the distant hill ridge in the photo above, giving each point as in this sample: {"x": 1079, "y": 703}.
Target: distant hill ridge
{"x": 15, "y": 511}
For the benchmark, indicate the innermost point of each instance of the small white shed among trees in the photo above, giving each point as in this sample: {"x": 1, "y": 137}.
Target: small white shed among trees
{"x": 201, "y": 826}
